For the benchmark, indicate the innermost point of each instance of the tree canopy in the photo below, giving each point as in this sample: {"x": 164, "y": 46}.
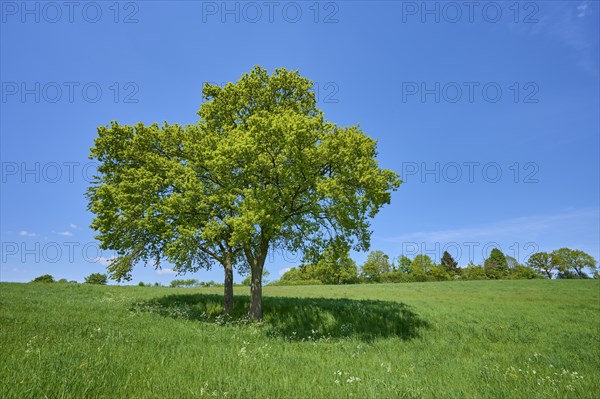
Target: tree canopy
{"x": 96, "y": 278}
{"x": 496, "y": 265}
{"x": 573, "y": 260}
{"x": 543, "y": 262}
{"x": 261, "y": 170}
{"x": 377, "y": 264}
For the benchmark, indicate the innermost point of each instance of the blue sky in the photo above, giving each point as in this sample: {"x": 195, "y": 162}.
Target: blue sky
{"x": 490, "y": 114}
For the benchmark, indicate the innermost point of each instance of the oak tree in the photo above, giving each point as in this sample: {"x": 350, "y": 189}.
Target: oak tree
{"x": 261, "y": 170}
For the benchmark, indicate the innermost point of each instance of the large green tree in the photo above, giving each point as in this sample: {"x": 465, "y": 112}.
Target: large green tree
{"x": 404, "y": 264}
{"x": 153, "y": 201}
{"x": 96, "y": 278}
{"x": 377, "y": 263}
{"x": 336, "y": 267}
{"x": 496, "y": 265}
{"x": 261, "y": 170}
{"x": 449, "y": 264}
{"x": 574, "y": 260}
{"x": 543, "y": 262}
{"x": 44, "y": 278}
{"x": 421, "y": 266}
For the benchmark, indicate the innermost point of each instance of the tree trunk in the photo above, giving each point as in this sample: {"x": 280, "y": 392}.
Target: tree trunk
{"x": 228, "y": 295}
{"x": 256, "y": 260}
{"x": 255, "y": 309}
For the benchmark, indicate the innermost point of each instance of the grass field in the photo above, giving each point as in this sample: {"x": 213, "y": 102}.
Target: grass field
{"x": 489, "y": 339}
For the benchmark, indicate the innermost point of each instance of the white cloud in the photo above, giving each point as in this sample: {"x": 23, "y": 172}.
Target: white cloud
{"x": 166, "y": 271}
{"x": 25, "y": 233}
{"x": 571, "y": 24}
{"x": 73, "y": 226}
{"x": 105, "y": 261}
{"x": 65, "y": 233}
{"x": 533, "y": 227}
{"x": 284, "y": 271}
{"x": 582, "y": 8}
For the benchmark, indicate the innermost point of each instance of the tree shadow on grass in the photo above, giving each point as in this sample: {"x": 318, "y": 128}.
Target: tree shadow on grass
{"x": 299, "y": 318}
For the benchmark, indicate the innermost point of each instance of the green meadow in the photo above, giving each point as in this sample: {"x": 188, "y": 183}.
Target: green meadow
{"x": 473, "y": 339}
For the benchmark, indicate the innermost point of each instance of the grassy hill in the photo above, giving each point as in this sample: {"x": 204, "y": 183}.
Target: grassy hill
{"x": 496, "y": 339}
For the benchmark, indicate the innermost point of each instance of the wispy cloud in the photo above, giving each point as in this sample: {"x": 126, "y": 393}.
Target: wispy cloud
{"x": 575, "y": 26}
{"x": 65, "y": 233}
{"x": 105, "y": 261}
{"x": 166, "y": 271}
{"x": 582, "y": 8}
{"x": 533, "y": 226}
{"x": 73, "y": 226}
{"x": 25, "y": 233}
{"x": 568, "y": 23}
{"x": 563, "y": 225}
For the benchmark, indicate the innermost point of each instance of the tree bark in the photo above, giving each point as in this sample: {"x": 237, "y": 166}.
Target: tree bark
{"x": 256, "y": 262}
{"x": 255, "y": 309}
{"x": 228, "y": 294}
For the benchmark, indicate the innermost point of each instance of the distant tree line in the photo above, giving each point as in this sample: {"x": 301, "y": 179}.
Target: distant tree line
{"x": 193, "y": 283}
{"x": 94, "y": 278}
{"x": 339, "y": 268}
{"x": 336, "y": 267}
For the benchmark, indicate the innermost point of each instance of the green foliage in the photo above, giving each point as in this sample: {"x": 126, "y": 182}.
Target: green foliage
{"x": 404, "y": 264}
{"x": 335, "y": 267}
{"x": 63, "y": 281}
{"x": 543, "y": 262}
{"x": 421, "y": 267}
{"x": 397, "y": 276}
{"x": 474, "y": 272}
{"x": 141, "y": 284}
{"x": 261, "y": 169}
{"x": 496, "y": 265}
{"x": 96, "y": 278}
{"x": 377, "y": 263}
{"x": 44, "y": 278}
{"x": 209, "y": 284}
{"x": 184, "y": 283}
{"x": 449, "y": 264}
{"x": 523, "y": 272}
{"x": 574, "y": 260}
{"x": 296, "y": 282}
{"x": 440, "y": 273}
{"x": 511, "y": 262}
{"x": 569, "y": 275}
